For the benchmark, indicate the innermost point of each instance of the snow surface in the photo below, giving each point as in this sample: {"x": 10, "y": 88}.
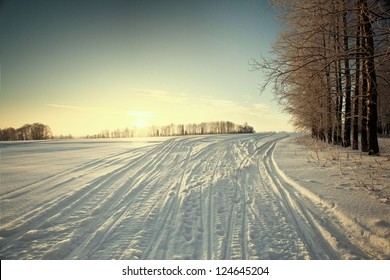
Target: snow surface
{"x": 257, "y": 196}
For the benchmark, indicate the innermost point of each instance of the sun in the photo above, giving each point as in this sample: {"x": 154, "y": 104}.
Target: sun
{"x": 141, "y": 122}
{"x": 140, "y": 119}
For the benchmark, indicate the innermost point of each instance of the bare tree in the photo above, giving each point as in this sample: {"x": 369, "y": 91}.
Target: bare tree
{"x": 326, "y": 43}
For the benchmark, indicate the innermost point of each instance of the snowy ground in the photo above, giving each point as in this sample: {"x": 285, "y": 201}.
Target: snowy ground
{"x": 260, "y": 196}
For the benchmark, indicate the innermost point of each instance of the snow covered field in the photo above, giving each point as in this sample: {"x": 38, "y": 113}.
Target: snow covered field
{"x": 257, "y": 196}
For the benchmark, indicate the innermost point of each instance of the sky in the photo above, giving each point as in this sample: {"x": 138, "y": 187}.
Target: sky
{"x": 82, "y": 66}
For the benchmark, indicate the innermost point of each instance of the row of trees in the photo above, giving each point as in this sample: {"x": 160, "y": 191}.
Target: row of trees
{"x": 217, "y": 127}
{"x": 38, "y": 131}
{"x": 117, "y": 133}
{"x": 35, "y": 131}
{"x": 329, "y": 68}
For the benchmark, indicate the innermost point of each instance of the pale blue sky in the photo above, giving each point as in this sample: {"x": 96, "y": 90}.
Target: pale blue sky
{"x": 84, "y": 66}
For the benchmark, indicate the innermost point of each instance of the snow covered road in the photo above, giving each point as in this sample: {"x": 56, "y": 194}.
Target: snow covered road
{"x": 206, "y": 197}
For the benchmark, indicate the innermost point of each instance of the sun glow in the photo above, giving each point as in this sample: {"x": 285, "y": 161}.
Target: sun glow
{"x": 141, "y": 119}
{"x": 141, "y": 122}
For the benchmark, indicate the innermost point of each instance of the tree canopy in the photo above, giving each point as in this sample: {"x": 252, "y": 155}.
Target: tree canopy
{"x": 326, "y": 68}
{"x": 35, "y": 131}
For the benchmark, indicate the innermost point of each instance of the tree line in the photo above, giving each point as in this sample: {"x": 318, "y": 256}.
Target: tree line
{"x": 117, "y": 133}
{"x": 39, "y": 131}
{"x": 35, "y": 131}
{"x": 217, "y": 127}
{"x": 330, "y": 69}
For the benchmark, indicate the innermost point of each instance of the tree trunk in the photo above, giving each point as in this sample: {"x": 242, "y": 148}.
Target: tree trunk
{"x": 369, "y": 65}
{"x": 363, "y": 94}
{"x": 356, "y": 99}
{"x": 347, "y": 76}
{"x": 339, "y": 86}
{"x": 363, "y": 104}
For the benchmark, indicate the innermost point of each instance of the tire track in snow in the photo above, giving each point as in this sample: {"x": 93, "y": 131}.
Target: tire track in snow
{"x": 295, "y": 215}
{"x": 142, "y": 190}
{"x": 316, "y": 229}
{"x": 210, "y": 223}
{"x": 92, "y": 194}
{"x": 205, "y": 197}
{"x": 235, "y": 243}
{"x": 254, "y": 192}
{"x": 81, "y": 170}
{"x": 264, "y": 223}
{"x": 158, "y": 207}
{"x": 159, "y": 242}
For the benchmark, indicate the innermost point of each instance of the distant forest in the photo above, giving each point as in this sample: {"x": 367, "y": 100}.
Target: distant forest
{"x": 39, "y": 131}
{"x": 217, "y": 127}
{"x": 35, "y": 131}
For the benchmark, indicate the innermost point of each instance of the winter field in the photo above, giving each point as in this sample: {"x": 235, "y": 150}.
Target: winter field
{"x": 255, "y": 196}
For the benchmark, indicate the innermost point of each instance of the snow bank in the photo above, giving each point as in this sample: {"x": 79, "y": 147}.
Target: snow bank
{"x": 352, "y": 186}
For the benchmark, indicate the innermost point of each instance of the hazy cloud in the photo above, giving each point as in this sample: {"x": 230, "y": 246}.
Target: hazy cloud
{"x": 72, "y": 107}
